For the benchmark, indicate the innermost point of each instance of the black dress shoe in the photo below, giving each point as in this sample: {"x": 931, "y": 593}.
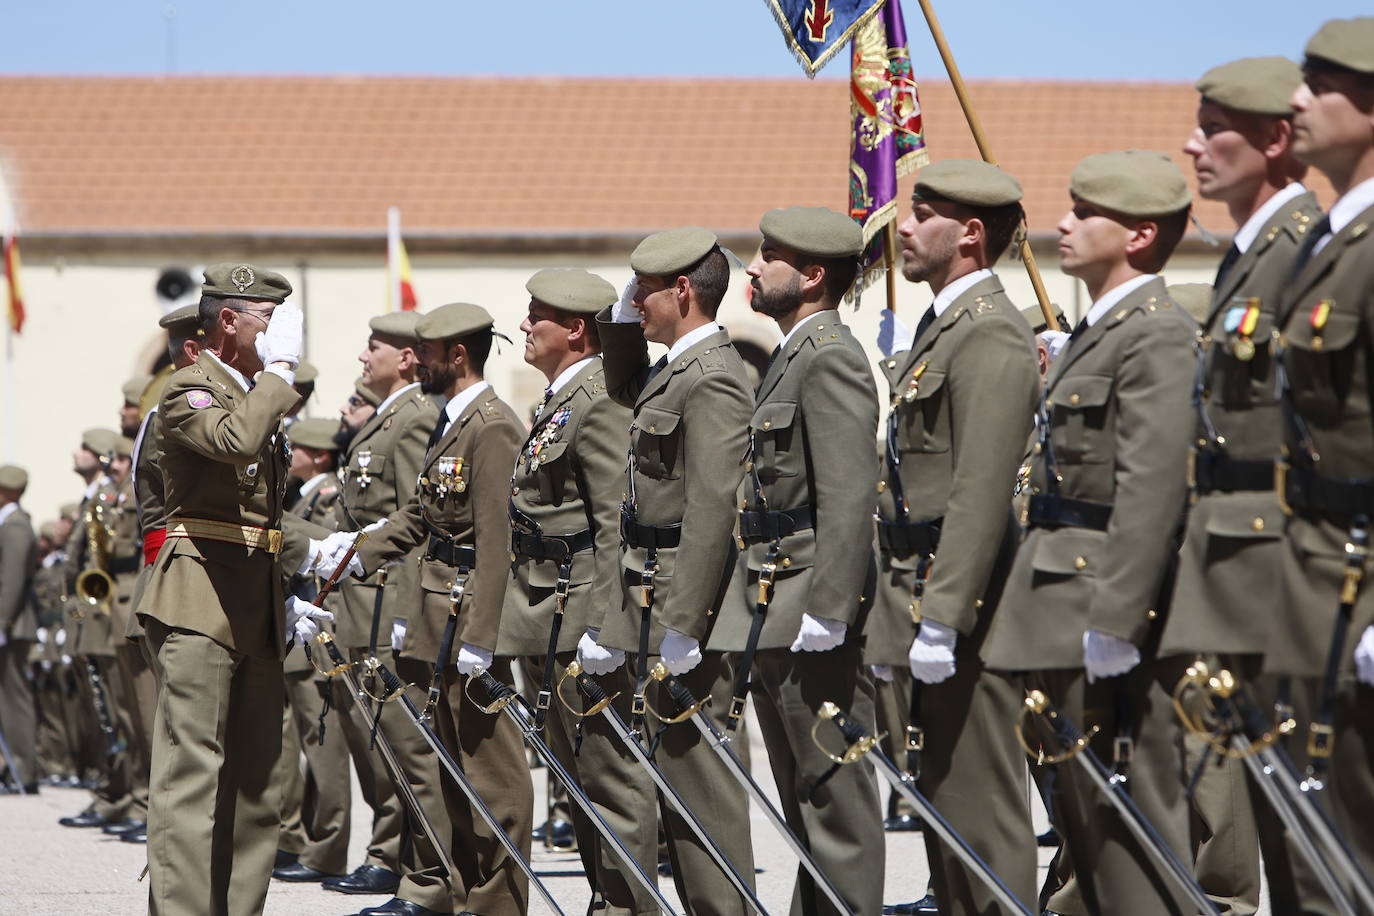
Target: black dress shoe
{"x": 397, "y": 907}
{"x": 559, "y": 834}
{"x": 135, "y": 836}
{"x": 555, "y": 826}
{"x": 1050, "y": 838}
{"x": 926, "y": 905}
{"x": 902, "y": 823}
{"x": 365, "y": 879}
{"x": 119, "y": 828}
{"x": 298, "y": 872}
{"x": 285, "y": 858}
{"x": 86, "y": 818}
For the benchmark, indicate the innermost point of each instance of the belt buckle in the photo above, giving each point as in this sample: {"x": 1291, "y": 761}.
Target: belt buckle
{"x": 274, "y": 541}
{"x": 1320, "y": 737}
{"x": 1281, "y": 468}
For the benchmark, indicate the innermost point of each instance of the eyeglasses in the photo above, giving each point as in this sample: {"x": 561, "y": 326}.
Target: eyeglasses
{"x": 264, "y": 314}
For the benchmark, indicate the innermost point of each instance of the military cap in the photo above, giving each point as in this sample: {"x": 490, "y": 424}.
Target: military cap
{"x": 1195, "y": 298}
{"x": 457, "y": 319}
{"x": 366, "y": 393}
{"x": 816, "y": 231}
{"x": 70, "y": 511}
{"x": 101, "y": 441}
{"x": 1134, "y": 182}
{"x": 13, "y": 477}
{"x": 124, "y": 447}
{"x": 244, "y": 281}
{"x": 48, "y": 530}
{"x": 1261, "y": 85}
{"x": 571, "y": 290}
{"x": 971, "y": 182}
{"x": 306, "y": 373}
{"x": 1036, "y": 318}
{"x": 672, "y": 251}
{"x": 314, "y": 433}
{"x": 1346, "y": 43}
{"x": 396, "y": 324}
{"x": 181, "y": 322}
{"x": 134, "y": 388}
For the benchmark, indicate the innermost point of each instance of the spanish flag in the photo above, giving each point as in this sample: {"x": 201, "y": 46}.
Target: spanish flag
{"x": 14, "y": 291}
{"x": 400, "y": 292}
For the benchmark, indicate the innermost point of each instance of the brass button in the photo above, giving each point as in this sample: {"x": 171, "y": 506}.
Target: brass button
{"x": 1038, "y": 448}
{"x": 1151, "y": 614}
{"x": 786, "y": 562}
{"x": 1073, "y": 398}
{"x": 1080, "y": 563}
{"x": 882, "y": 486}
{"x": 767, "y": 424}
{"x": 978, "y": 603}
{"x": 892, "y": 364}
{"x": 1257, "y": 524}
{"x": 820, "y": 327}
{"x": 653, "y": 429}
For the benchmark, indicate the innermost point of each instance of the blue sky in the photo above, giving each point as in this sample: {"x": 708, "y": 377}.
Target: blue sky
{"x": 1072, "y": 39}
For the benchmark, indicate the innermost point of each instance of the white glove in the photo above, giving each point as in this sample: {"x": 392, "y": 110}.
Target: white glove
{"x": 624, "y": 311}
{"x": 303, "y": 619}
{"x": 1106, "y": 656}
{"x": 882, "y": 673}
{"x": 818, "y": 634}
{"x": 281, "y": 341}
{"x": 596, "y": 658}
{"x": 42, "y": 635}
{"x": 1364, "y": 658}
{"x": 932, "y": 652}
{"x": 473, "y": 658}
{"x": 398, "y": 634}
{"x": 313, "y": 554}
{"x": 680, "y": 653}
{"x": 375, "y": 525}
{"x": 61, "y": 637}
{"x": 66, "y": 659}
{"x": 1055, "y": 341}
{"x": 893, "y": 334}
{"x": 333, "y": 549}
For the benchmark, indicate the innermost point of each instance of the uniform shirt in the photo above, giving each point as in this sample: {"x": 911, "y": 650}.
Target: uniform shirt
{"x": 1111, "y": 297}
{"x": 459, "y": 402}
{"x": 1246, "y": 234}
{"x": 1343, "y": 212}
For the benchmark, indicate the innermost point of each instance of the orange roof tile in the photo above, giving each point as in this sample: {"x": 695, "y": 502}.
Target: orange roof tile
{"x": 492, "y": 156}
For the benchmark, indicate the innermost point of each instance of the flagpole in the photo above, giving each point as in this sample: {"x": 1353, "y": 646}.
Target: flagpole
{"x": 890, "y": 262}
{"x": 11, "y": 405}
{"x": 985, "y": 150}
{"x": 393, "y": 259}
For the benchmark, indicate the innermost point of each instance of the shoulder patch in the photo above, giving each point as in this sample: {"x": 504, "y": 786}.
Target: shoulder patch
{"x": 199, "y": 398}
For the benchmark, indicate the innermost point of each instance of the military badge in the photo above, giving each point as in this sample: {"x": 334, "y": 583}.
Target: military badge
{"x": 364, "y": 459}
{"x": 242, "y": 277}
{"x": 448, "y": 476}
{"x": 1317, "y": 319}
{"x": 199, "y": 399}
{"x": 551, "y": 431}
{"x": 913, "y": 386}
{"x": 1239, "y": 324}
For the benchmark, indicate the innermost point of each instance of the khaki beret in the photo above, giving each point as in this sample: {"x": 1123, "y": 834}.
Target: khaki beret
{"x": 672, "y": 251}
{"x": 70, "y": 510}
{"x": 314, "y": 433}
{"x": 125, "y": 447}
{"x": 1261, "y": 85}
{"x": 571, "y": 290}
{"x": 816, "y": 231}
{"x": 971, "y": 182}
{"x": 1036, "y": 318}
{"x": 306, "y": 373}
{"x": 366, "y": 393}
{"x": 13, "y": 477}
{"x": 1347, "y": 43}
{"x": 457, "y": 319}
{"x": 396, "y": 324}
{"x": 1195, "y": 298}
{"x": 101, "y": 441}
{"x": 244, "y": 281}
{"x": 1134, "y": 182}
{"x": 182, "y": 322}
{"x": 48, "y": 531}
{"x": 133, "y": 389}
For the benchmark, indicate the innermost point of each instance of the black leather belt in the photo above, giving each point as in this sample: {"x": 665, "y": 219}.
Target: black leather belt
{"x": 762, "y": 526}
{"x": 462, "y": 556}
{"x": 904, "y": 539}
{"x": 1050, "y": 510}
{"x": 636, "y": 535}
{"x": 1215, "y": 471}
{"x": 549, "y": 546}
{"x": 1307, "y": 492}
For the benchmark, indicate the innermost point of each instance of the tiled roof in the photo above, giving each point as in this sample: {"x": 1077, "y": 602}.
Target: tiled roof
{"x": 493, "y": 156}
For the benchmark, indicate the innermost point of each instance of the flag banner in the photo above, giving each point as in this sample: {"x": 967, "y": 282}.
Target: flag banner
{"x": 407, "y": 288}
{"x": 815, "y": 30}
{"x": 400, "y": 290}
{"x": 14, "y": 291}
{"x": 885, "y": 124}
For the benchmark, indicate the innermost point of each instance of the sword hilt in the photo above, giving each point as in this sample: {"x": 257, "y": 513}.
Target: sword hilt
{"x": 1037, "y": 704}
{"x": 501, "y": 694}
{"x": 857, "y": 741}
{"x": 588, "y": 686}
{"x": 340, "y": 665}
{"x": 688, "y": 704}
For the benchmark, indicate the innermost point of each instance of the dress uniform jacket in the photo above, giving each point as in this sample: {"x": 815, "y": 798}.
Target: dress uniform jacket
{"x": 689, "y": 418}
{"x": 18, "y": 559}
{"x": 1230, "y": 551}
{"x": 568, "y": 479}
{"x": 222, "y": 462}
{"x": 467, "y": 510}
{"x": 126, "y": 555}
{"x": 816, "y": 412}
{"x": 150, "y": 496}
{"x": 380, "y": 467}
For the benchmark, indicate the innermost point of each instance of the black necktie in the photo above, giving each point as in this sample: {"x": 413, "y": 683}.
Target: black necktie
{"x": 440, "y": 427}
{"x": 544, "y": 402}
{"x": 1079, "y": 328}
{"x": 1309, "y": 245}
{"x": 926, "y": 321}
{"x": 656, "y": 368}
{"x": 1229, "y": 261}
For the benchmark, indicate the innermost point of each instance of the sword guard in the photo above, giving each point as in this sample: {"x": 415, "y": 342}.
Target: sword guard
{"x": 858, "y": 743}
{"x": 574, "y": 670}
{"x": 689, "y": 704}
{"x": 1037, "y": 704}
{"x": 500, "y": 694}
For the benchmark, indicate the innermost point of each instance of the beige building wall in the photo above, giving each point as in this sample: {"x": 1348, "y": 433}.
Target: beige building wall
{"x": 92, "y": 323}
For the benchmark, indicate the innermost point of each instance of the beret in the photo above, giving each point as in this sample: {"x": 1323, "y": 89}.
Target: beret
{"x": 366, "y": 393}
{"x": 971, "y": 182}
{"x": 48, "y": 531}
{"x": 124, "y": 447}
{"x": 306, "y": 373}
{"x": 396, "y": 324}
{"x": 13, "y": 477}
{"x": 1036, "y": 318}
{"x": 101, "y": 441}
{"x": 1194, "y": 298}
{"x": 314, "y": 433}
{"x": 133, "y": 389}
{"x": 456, "y": 319}
{"x": 244, "y": 281}
{"x": 1261, "y": 85}
{"x": 816, "y": 231}
{"x": 672, "y": 251}
{"x": 1347, "y": 43}
{"x": 183, "y": 321}
{"x": 70, "y": 510}
{"x": 1133, "y": 182}
{"x": 572, "y": 290}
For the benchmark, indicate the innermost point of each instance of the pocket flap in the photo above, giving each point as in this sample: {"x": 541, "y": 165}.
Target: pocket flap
{"x": 774, "y": 414}
{"x": 931, "y": 381}
{"x": 1250, "y": 519}
{"x": 552, "y": 451}
{"x": 1082, "y": 391}
{"x": 1069, "y": 551}
{"x": 656, "y": 421}
{"x": 1337, "y": 333}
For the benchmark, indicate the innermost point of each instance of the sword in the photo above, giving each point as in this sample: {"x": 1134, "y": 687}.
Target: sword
{"x": 858, "y": 743}
{"x": 1076, "y": 749}
{"x": 602, "y": 704}
{"x": 694, "y": 710}
{"x": 506, "y": 700}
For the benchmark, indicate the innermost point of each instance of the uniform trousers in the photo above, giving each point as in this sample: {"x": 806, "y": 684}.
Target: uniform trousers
{"x": 892, "y": 704}
{"x": 56, "y": 755}
{"x": 18, "y": 710}
{"x": 114, "y": 790}
{"x": 136, "y": 704}
{"x": 320, "y": 798}
{"x": 215, "y": 810}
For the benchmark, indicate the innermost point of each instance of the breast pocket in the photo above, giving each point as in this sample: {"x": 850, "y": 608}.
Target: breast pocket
{"x": 552, "y": 471}
{"x": 1321, "y": 363}
{"x": 1244, "y": 366}
{"x": 923, "y": 423}
{"x": 774, "y": 425}
{"x": 656, "y": 435}
{"x": 1080, "y": 407}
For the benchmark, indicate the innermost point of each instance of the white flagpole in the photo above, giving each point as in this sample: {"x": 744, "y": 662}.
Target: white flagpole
{"x": 8, "y": 228}
{"x": 393, "y": 258}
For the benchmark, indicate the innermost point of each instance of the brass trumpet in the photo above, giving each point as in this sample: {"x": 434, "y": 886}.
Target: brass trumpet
{"x": 95, "y": 586}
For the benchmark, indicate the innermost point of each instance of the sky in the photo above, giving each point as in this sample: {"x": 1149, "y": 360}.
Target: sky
{"x": 1172, "y": 40}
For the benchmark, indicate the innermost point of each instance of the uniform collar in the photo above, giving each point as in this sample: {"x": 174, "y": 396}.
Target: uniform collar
{"x": 314, "y": 483}
{"x": 1114, "y": 295}
{"x": 1245, "y": 235}
{"x": 460, "y": 401}
{"x": 956, "y": 288}
{"x": 1354, "y": 202}
{"x": 234, "y": 374}
{"x": 803, "y": 325}
{"x": 692, "y": 338}
{"x": 7, "y": 510}
{"x": 567, "y": 375}
{"x": 393, "y": 397}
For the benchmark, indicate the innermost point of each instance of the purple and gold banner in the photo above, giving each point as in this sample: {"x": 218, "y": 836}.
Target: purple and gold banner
{"x": 815, "y": 30}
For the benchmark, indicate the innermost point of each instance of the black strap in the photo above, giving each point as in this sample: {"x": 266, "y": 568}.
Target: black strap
{"x": 372, "y": 652}
{"x": 652, "y": 537}
{"x": 1050, "y": 510}
{"x": 915, "y": 734}
{"x": 456, "y": 593}
{"x": 903, "y": 539}
{"x": 751, "y": 645}
{"x": 462, "y": 556}
{"x": 759, "y": 526}
{"x": 1320, "y": 735}
{"x": 560, "y": 605}
{"x": 1308, "y": 492}
{"x": 646, "y": 605}
{"x": 549, "y": 546}
{"x": 1215, "y": 470}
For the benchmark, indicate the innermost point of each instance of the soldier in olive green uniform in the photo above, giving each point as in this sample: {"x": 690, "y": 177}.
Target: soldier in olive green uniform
{"x": 1326, "y": 312}
{"x": 1083, "y": 606}
{"x": 687, "y": 441}
{"x": 459, "y": 511}
{"x": 53, "y": 680}
{"x": 1242, "y": 152}
{"x": 18, "y": 629}
{"x": 808, "y": 494}
{"x": 214, "y": 610}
